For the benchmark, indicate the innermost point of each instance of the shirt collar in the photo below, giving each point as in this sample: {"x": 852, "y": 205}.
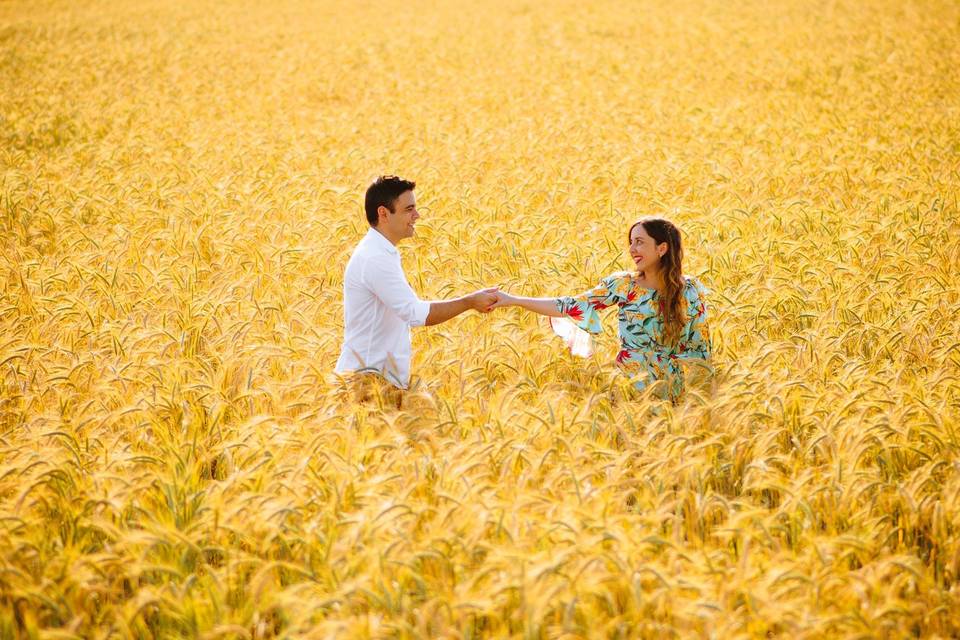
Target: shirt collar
{"x": 380, "y": 241}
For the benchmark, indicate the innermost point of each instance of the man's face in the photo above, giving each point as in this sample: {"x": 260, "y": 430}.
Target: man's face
{"x": 399, "y": 224}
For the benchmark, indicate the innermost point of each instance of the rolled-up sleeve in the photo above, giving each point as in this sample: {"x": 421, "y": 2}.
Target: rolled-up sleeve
{"x": 384, "y": 276}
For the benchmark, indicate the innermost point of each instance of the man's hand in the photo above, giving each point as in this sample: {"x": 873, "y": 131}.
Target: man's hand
{"x": 443, "y": 310}
{"x": 504, "y": 299}
{"x": 484, "y": 299}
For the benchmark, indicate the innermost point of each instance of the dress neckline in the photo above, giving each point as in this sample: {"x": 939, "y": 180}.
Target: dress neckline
{"x": 653, "y": 293}
{"x": 634, "y": 276}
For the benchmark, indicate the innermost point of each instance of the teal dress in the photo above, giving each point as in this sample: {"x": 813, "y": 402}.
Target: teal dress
{"x": 643, "y": 356}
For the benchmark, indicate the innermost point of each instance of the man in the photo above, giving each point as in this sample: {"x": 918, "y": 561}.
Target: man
{"x": 379, "y": 307}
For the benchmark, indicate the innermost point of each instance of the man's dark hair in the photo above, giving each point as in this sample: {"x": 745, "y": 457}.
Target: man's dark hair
{"x": 384, "y": 193}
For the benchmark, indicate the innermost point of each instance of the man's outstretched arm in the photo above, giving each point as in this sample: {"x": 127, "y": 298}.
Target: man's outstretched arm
{"x": 390, "y": 285}
{"x": 443, "y": 310}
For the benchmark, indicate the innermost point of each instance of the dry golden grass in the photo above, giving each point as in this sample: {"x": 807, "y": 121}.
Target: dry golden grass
{"x": 180, "y": 187}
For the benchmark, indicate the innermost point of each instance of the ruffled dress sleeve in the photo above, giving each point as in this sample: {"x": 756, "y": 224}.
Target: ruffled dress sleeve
{"x": 584, "y": 309}
{"x": 581, "y": 315}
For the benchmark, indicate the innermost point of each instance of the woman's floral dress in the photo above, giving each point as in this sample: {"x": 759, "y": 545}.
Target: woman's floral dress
{"x": 643, "y": 355}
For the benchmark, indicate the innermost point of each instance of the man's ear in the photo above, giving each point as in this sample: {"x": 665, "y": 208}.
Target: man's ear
{"x": 382, "y": 212}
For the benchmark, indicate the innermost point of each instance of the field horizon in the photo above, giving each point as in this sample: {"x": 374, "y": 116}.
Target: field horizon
{"x": 181, "y": 185}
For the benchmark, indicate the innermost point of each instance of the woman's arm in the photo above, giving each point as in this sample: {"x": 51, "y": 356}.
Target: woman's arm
{"x": 581, "y": 309}
{"x": 543, "y": 306}
{"x": 696, "y": 343}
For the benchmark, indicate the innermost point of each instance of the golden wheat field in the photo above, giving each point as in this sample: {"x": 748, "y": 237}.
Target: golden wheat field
{"x": 181, "y": 185}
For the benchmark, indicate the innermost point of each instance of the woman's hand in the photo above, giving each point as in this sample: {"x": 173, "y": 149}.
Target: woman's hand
{"x": 504, "y": 299}
{"x": 482, "y": 299}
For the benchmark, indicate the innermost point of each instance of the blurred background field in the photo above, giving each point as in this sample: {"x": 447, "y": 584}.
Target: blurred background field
{"x": 180, "y": 187}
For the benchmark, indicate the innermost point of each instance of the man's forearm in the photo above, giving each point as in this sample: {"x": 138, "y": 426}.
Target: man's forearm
{"x": 443, "y": 310}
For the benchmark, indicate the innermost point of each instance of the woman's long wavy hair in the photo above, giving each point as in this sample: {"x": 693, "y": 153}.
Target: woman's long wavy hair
{"x": 673, "y": 304}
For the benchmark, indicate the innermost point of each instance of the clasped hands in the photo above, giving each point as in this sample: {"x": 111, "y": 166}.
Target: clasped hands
{"x": 486, "y": 300}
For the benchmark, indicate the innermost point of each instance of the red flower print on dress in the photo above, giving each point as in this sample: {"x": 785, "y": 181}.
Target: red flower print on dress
{"x": 632, "y": 295}
{"x": 576, "y": 313}
{"x": 623, "y": 356}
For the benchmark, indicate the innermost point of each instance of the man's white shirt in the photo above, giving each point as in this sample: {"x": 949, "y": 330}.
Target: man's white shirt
{"x": 379, "y": 307}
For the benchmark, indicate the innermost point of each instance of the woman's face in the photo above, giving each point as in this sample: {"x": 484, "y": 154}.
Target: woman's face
{"x": 644, "y": 250}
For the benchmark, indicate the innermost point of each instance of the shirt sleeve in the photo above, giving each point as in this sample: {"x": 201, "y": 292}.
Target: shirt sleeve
{"x": 386, "y": 279}
{"x": 583, "y": 309}
{"x": 696, "y": 343}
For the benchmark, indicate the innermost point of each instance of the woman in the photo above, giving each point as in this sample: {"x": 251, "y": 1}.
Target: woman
{"x": 662, "y": 313}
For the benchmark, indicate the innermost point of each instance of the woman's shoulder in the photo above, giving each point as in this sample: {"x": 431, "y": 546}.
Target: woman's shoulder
{"x": 621, "y": 285}
{"x": 696, "y": 295}
{"x": 618, "y": 279}
{"x": 694, "y": 289}
{"x": 694, "y": 282}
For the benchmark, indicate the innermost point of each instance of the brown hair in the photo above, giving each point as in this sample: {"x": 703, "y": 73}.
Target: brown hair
{"x": 383, "y": 192}
{"x": 673, "y": 305}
